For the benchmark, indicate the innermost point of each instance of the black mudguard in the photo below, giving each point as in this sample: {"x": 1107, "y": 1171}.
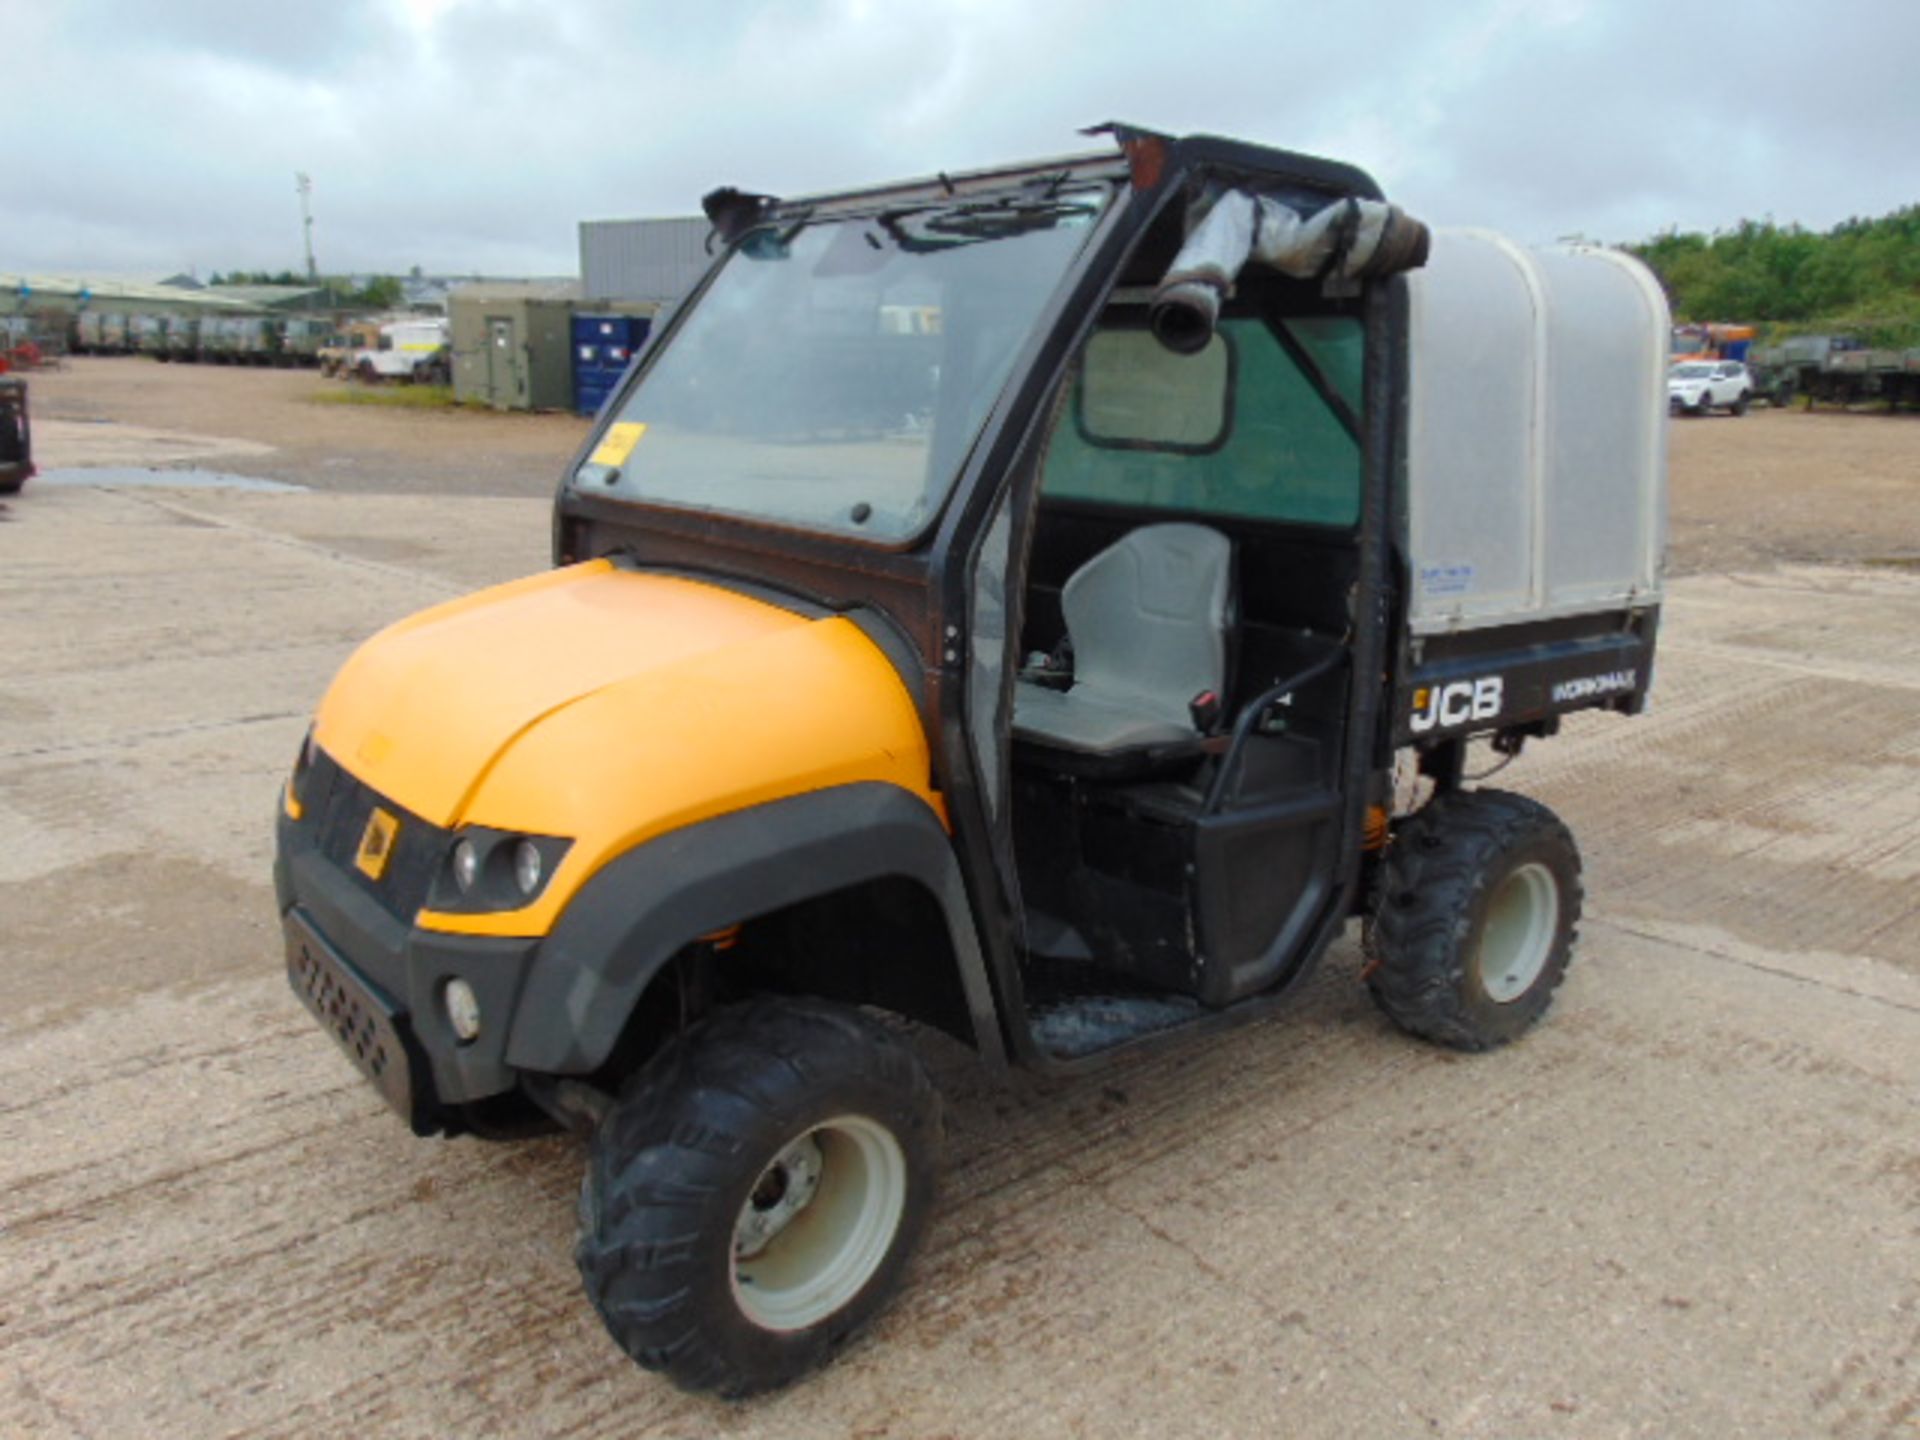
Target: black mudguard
{"x": 641, "y": 909}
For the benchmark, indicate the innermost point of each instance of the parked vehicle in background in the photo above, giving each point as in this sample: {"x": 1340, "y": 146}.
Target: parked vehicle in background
{"x": 302, "y": 338}
{"x": 183, "y": 337}
{"x": 414, "y": 351}
{"x": 1696, "y": 386}
{"x": 1840, "y": 370}
{"x": 1711, "y": 342}
{"x": 149, "y": 334}
{"x": 336, "y": 357}
{"x": 16, "y": 435}
{"x": 116, "y": 334}
{"x": 220, "y": 339}
{"x": 260, "y": 339}
{"x": 1044, "y": 604}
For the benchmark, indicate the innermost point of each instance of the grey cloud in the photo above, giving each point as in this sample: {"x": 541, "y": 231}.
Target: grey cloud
{"x": 476, "y": 139}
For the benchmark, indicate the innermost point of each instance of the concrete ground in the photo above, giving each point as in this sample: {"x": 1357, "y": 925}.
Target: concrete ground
{"x": 1688, "y": 1205}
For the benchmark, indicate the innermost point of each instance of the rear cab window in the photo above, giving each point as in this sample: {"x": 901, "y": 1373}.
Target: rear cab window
{"x": 1263, "y": 424}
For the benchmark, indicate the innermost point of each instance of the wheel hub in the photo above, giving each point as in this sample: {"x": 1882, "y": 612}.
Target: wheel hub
{"x": 818, "y": 1223}
{"x": 1517, "y": 935}
{"x": 783, "y": 1190}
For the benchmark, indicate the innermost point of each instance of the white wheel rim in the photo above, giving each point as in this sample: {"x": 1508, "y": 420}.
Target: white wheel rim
{"x": 1517, "y": 935}
{"x": 811, "y": 1258}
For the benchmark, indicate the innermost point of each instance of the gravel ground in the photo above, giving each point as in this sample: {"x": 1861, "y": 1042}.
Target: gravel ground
{"x": 390, "y": 449}
{"x": 1689, "y": 1205}
{"x": 1768, "y": 487}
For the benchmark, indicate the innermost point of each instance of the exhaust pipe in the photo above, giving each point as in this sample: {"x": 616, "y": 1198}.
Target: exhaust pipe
{"x": 1348, "y": 241}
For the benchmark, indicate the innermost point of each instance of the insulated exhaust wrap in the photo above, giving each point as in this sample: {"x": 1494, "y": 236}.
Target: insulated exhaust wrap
{"x": 1348, "y": 241}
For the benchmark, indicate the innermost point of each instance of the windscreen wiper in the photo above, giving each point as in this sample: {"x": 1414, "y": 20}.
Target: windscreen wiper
{"x": 946, "y": 227}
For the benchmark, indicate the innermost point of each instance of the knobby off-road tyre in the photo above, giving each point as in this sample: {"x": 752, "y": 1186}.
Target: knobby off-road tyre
{"x": 752, "y": 1198}
{"x": 1476, "y": 920}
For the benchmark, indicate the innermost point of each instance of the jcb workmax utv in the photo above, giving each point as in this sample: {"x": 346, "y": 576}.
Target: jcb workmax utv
{"x": 1001, "y": 602}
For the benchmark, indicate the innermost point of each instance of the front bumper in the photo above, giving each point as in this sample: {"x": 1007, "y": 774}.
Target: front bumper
{"x": 374, "y": 980}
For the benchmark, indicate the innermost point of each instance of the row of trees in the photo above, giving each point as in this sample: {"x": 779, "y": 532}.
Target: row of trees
{"x": 1861, "y": 277}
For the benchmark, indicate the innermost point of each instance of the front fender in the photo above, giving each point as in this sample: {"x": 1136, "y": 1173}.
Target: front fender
{"x": 641, "y": 909}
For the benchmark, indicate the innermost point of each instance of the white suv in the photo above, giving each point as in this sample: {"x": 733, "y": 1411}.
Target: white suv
{"x": 1696, "y": 386}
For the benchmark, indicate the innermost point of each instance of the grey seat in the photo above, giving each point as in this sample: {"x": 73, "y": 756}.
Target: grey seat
{"x": 1147, "y": 617}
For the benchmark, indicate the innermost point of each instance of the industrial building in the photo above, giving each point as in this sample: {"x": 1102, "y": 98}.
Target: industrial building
{"x": 67, "y": 295}
{"x": 636, "y": 261}
{"x": 527, "y": 345}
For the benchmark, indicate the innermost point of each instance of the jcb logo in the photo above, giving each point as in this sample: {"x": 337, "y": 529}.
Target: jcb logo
{"x": 1456, "y": 704}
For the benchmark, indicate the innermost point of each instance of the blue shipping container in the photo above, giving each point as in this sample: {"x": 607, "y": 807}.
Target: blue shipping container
{"x": 603, "y": 347}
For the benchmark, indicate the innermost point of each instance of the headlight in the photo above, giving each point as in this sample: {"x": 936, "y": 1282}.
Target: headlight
{"x": 492, "y": 870}
{"x": 528, "y": 866}
{"x": 466, "y": 864}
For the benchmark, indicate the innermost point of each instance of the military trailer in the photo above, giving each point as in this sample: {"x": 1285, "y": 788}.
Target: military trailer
{"x": 85, "y": 336}
{"x": 220, "y": 337}
{"x": 259, "y": 339}
{"x": 302, "y": 338}
{"x": 149, "y": 335}
{"x": 1046, "y": 605}
{"x": 183, "y": 337}
{"x": 116, "y": 333}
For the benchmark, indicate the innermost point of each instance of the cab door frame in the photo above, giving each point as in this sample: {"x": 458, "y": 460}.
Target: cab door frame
{"x": 976, "y": 793}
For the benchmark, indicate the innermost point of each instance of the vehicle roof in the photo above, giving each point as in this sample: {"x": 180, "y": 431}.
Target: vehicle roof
{"x": 1179, "y": 152}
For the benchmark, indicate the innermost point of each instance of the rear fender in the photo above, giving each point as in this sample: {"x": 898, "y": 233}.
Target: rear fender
{"x": 643, "y": 908}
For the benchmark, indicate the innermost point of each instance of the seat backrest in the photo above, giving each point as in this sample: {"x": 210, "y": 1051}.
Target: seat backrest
{"x": 1147, "y": 617}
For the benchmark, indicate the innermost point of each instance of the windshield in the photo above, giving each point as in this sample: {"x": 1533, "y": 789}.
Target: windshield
{"x": 1691, "y": 372}
{"x": 834, "y": 375}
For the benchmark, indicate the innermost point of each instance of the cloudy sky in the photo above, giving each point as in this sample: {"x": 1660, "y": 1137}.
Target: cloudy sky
{"x": 471, "y": 135}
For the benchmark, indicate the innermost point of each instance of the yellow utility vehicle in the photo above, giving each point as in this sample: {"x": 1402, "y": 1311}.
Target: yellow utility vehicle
{"x": 1001, "y": 602}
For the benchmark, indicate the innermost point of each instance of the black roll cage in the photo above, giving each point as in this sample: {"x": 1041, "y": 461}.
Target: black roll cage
{"x": 922, "y": 589}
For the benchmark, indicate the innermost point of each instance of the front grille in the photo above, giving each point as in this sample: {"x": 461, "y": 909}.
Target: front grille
{"x": 346, "y": 1016}
{"x": 365, "y": 1026}
{"x": 340, "y": 806}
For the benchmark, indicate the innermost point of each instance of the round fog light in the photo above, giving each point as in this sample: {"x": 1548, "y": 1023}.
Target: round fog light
{"x": 526, "y": 866}
{"x": 466, "y": 864}
{"x": 463, "y": 1009}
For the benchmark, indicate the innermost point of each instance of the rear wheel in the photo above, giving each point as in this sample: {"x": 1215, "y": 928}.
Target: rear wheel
{"x": 753, "y": 1197}
{"x": 1477, "y": 919}
{"x": 1739, "y": 406}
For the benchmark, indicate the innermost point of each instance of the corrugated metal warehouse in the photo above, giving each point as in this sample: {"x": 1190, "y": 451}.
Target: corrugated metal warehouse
{"x": 70, "y": 294}
{"x": 655, "y": 261}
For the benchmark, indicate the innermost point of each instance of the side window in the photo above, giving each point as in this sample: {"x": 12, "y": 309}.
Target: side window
{"x": 1263, "y": 424}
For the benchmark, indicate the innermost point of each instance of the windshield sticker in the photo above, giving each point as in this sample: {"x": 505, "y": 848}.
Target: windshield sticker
{"x": 618, "y": 444}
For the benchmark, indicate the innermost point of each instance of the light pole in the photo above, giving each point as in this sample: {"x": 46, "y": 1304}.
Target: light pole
{"x": 303, "y": 183}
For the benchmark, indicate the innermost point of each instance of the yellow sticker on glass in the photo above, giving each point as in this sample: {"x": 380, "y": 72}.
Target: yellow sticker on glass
{"x": 618, "y": 443}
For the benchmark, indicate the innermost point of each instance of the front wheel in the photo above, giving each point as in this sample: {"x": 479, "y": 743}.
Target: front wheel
{"x": 752, "y": 1199}
{"x": 1477, "y": 919}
